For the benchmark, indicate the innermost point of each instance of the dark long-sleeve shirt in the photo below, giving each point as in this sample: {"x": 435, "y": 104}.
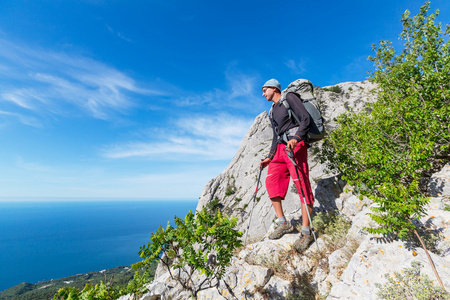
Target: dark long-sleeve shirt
{"x": 281, "y": 120}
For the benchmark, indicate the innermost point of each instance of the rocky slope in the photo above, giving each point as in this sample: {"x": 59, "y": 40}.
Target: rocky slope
{"x": 349, "y": 265}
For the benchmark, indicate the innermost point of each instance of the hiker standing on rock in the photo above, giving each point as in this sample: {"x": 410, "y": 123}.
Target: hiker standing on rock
{"x": 281, "y": 167}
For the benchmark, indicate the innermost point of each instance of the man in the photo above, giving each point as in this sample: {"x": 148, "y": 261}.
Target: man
{"x": 281, "y": 167}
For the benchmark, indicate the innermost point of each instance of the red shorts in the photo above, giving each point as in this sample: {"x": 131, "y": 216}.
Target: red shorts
{"x": 281, "y": 169}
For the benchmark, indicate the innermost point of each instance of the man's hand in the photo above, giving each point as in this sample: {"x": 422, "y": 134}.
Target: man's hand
{"x": 264, "y": 163}
{"x": 291, "y": 144}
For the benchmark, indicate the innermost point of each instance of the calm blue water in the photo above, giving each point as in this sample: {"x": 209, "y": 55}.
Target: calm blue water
{"x": 49, "y": 240}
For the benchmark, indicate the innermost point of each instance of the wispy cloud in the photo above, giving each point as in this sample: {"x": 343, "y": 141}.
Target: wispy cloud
{"x": 22, "y": 119}
{"x": 240, "y": 91}
{"x": 44, "y": 82}
{"x": 298, "y": 67}
{"x": 118, "y": 34}
{"x": 207, "y": 138}
{"x": 32, "y": 166}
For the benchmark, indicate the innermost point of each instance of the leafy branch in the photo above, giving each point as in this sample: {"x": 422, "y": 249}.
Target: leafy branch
{"x": 196, "y": 252}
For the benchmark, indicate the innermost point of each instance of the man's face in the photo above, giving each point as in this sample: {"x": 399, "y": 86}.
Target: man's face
{"x": 268, "y": 92}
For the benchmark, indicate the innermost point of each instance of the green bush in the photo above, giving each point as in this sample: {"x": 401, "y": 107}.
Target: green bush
{"x": 230, "y": 191}
{"x": 410, "y": 285}
{"x": 335, "y": 89}
{"x": 214, "y": 205}
{"x": 204, "y": 243}
{"x": 333, "y": 227}
{"x": 231, "y": 187}
{"x": 108, "y": 290}
{"x": 387, "y": 153}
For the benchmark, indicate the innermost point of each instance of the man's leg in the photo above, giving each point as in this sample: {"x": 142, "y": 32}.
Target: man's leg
{"x": 277, "y": 183}
{"x": 278, "y": 206}
{"x": 305, "y": 219}
{"x": 276, "y": 203}
{"x": 283, "y": 225}
{"x": 303, "y": 185}
{"x": 306, "y": 237}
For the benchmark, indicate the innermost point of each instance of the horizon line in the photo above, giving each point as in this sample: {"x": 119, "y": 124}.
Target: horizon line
{"x": 85, "y": 199}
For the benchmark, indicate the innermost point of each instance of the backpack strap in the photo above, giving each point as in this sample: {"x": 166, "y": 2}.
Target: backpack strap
{"x": 290, "y": 112}
{"x": 283, "y": 136}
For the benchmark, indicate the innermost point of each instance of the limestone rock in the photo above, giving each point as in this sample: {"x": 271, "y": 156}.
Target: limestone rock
{"x": 440, "y": 182}
{"x": 244, "y": 279}
{"x": 347, "y": 96}
{"x": 352, "y": 205}
{"x": 359, "y": 222}
{"x": 278, "y": 255}
{"x": 278, "y": 288}
{"x": 437, "y": 220}
{"x": 328, "y": 193}
{"x": 375, "y": 258}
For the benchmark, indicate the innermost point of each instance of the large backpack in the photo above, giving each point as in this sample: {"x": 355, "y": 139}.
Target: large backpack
{"x": 303, "y": 88}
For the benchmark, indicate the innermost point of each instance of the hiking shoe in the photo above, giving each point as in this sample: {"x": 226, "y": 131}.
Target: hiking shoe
{"x": 286, "y": 227}
{"x": 303, "y": 242}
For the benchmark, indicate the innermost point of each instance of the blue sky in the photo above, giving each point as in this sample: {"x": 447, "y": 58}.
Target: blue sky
{"x": 150, "y": 99}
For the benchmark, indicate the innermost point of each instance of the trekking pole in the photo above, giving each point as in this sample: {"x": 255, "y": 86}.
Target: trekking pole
{"x": 253, "y": 205}
{"x": 291, "y": 157}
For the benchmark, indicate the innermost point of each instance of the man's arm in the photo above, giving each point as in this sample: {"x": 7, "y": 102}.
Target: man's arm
{"x": 273, "y": 148}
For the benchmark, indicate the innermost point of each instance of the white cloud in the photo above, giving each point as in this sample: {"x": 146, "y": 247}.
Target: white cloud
{"x": 20, "y": 97}
{"x": 204, "y": 137}
{"x": 298, "y": 67}
{"x": 240, "y": 92}
{"x": 22, "y": 119}
{"x": 118, "y": 34}
{"x": 241, "y": 85}
{"x": 32, "y": 166}
{"x": 42, "y": 82}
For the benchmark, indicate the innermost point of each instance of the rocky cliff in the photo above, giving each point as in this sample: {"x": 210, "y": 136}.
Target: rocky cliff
{"x": 234, "y": 188}
{"x": 351, "y": 263}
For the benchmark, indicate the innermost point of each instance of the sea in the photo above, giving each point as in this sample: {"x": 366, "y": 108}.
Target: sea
{"x": 45, "y": 240}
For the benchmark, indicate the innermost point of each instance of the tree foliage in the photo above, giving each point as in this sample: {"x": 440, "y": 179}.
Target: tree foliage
{"x": 107, "y": 290}
{"x": 388, "y": 151}
{"x": 197, "y": 251}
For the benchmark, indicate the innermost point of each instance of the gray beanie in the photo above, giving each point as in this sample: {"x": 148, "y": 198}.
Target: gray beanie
{"x": 273, "y": 83}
